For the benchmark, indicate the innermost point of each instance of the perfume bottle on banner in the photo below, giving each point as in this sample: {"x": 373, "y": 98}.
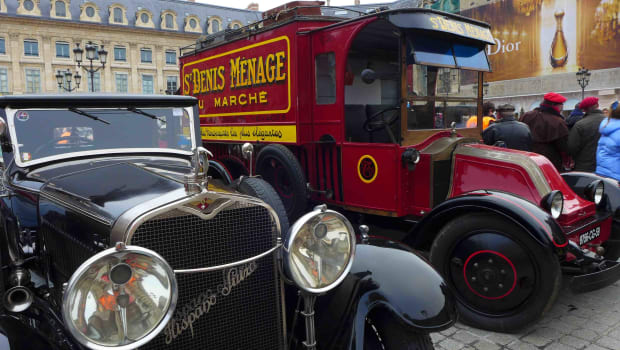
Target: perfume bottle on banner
{"x": 559, "y": 50}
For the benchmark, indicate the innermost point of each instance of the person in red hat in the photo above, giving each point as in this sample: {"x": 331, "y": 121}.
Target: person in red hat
{"x": 548, "y": 128}
{"x": 583, "y": 137}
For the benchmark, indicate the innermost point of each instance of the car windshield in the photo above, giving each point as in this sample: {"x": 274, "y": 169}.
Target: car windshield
{"x": 41, "y": 135}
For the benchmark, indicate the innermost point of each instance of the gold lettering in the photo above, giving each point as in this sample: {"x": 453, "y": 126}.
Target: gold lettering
{"x": 203, "y": 81}
{"x": 186, "y": 84}
{"x": 234, "y": 72}
{"x": 270, "y": 68}
{"x": 242, "y": 67}
{"x": 260, "y": 71}
{"x": 242, "y": 100}
{"x": 196, "y": 76}
{"x": 252, "y": 71}
{"x": 280, "y": 66}
{"x": 224, "y": 102}
{"x": 263, "y": 97}
{"x": 233, "y": 100}
{"x": 217, "y": 102}
{"x": 253, "y": 98}
{"x": 434, "y": 21}
{"x": 220, "y": 74}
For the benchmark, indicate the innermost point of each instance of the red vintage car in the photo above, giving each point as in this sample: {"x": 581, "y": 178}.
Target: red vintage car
{"x": 370, "y": 114}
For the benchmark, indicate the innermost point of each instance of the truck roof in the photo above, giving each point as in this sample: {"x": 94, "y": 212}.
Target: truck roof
{"x": 417, "y": 19}
{"x": 94, "y": 100}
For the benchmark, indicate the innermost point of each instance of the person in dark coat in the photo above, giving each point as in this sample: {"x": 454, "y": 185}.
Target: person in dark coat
{"x": 583, "y": 137}
{"x": 548, "y": 128}
{"x": 506, "y": 128}
{"x": 574, "y": 116}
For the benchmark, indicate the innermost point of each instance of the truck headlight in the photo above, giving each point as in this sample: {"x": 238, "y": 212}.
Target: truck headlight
{"x": 120, "y": 298}
{"x": 595, "y": 191}
{"x": 319, "y": 250}
{"x": 553, "y": 202}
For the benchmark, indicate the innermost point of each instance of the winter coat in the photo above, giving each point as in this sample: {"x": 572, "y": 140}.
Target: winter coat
{"x": 574, "y": 117}
{"x": 549, "y": 133}
{"x": 515, "y": 134}
{"x": 608, "y": 151}
{"x": 583, "y": 141}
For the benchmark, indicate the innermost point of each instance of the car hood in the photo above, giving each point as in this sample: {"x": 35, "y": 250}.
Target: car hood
{"x": 108, "y": 190}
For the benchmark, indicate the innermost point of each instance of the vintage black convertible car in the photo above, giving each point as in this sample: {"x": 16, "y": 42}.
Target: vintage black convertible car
{"x": 114, "y": 236}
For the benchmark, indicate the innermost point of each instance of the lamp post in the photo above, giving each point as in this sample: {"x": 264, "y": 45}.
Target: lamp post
{"x": 61, "y": 77}
{"x": 91, "y": 50}
{"x": 583, "y": 78}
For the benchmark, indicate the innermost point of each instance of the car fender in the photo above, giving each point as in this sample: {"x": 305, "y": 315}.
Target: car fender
{"x": 533, "y": 219}
{"x": 385, "y": 277}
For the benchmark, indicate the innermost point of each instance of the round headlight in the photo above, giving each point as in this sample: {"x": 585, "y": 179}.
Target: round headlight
{"x": 120, "y": 298}
{"x": 553, "y": 202}
{"x": 595, "y": 191}
{"x": 319, "y": 250}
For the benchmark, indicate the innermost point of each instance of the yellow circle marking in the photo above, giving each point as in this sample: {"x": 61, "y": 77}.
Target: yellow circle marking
{"x": 359, "y": 173}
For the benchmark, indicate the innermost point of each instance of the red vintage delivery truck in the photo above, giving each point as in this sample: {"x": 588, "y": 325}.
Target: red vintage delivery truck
{"x": 368, "y": 113}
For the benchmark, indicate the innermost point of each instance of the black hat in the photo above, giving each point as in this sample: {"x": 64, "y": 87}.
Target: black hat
{"x": 505, "y": 108}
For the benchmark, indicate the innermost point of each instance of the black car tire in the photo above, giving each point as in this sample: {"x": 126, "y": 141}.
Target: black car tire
{"x": 384, "y": 333}
{"x": 262, "y": 190}
{"x": 536, "y": 288}
{"x": 279, "y": 166}
{"x": 235, "y": 166}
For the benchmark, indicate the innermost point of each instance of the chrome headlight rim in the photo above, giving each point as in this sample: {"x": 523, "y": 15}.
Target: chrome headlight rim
{"x": 290, "y": 238}
{"x": 595, "y": 191}
{"x": 79, "y": 272}
{"x": 550, "y": 203}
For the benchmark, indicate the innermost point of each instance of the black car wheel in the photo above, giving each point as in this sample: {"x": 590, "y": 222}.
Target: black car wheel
{"x": 503, "y": 280}
{"x": 260, "y": 189}
{"x": 383, "y": 333}
{"x": 278, "y": 166}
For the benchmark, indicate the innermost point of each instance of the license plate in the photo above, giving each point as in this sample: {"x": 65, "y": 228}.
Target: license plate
{"x": 590, "y": 235}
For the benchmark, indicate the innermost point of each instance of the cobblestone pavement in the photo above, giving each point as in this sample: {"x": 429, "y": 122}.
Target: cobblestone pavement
{"x": 577, "y": 321}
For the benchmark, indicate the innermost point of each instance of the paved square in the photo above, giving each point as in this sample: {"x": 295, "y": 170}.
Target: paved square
{"x": 577, "y": 321}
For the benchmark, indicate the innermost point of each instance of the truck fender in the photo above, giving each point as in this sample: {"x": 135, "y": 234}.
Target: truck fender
{"x": 385, "y": 277}
{"x": 579, "y": 180}
{"x": 529, "y": 216}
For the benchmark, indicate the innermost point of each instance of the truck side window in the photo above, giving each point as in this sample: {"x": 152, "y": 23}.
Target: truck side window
{"x": 325, "y": 67}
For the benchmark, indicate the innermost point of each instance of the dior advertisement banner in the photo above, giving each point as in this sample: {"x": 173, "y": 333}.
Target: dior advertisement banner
{"x": 542, "y": 37}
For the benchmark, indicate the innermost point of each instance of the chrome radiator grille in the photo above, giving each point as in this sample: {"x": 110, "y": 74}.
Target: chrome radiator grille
{"x": 234, "y": 308}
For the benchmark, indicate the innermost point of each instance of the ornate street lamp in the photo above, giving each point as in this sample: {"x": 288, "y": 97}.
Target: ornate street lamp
{"x": 91, "y": 51}
{"x": 61, "y": 77}
{"x": 583, "y": 78}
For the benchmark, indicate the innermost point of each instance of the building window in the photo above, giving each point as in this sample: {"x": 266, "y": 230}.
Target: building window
{"x": 171, "y": 57}
{"x": 31, "y": 48}
{"x": 90, "y": 11}
{"x": 147, "y": 84}
{"x": 169, "y": 21}
{"x": 4, "y": 80}
{"x": 121, "y": 82}
{"x": 171, "y": 84}
{"x": 236, "y": 26}
{"x": 94, "y": 85}
{"x": 215, "y": 26}
{"x": 120, "y": 54}
{"x": 62, "y": 49}
{"x": 193, "y": 23}
{"x": 28, "y": 5}
{"x": 2, "y": 46}
{"x": 61, "y": 9}
{"x": 33, "y": 80}
{"x": 118, "y": 15}
{"x": 145, "y": 18}
{"x": 146, "y": 56}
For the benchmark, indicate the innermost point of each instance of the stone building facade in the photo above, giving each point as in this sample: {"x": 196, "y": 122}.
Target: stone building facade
{"x": 142, "y": 38}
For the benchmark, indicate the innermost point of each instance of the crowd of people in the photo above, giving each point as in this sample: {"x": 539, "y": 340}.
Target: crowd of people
{"x": 587, "y": 140}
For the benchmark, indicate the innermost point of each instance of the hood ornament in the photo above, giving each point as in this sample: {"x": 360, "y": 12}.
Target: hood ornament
{"x": 196, "y": 179}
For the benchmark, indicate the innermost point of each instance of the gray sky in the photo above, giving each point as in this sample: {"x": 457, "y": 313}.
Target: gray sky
{"x": 264, "y": 5}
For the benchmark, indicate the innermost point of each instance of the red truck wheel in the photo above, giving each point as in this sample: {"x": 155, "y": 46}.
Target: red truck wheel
{"x": 279, "y": 166}
{"x": 503, "y": 280}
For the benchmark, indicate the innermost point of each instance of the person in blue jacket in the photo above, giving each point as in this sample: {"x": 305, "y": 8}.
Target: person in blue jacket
{"x": 608, "y": 150}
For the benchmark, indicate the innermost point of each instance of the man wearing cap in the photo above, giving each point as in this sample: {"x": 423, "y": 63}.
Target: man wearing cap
{"x": 583, "y": 137}
{"x": 513, "y": 133}
{"x": 548, "y": 128}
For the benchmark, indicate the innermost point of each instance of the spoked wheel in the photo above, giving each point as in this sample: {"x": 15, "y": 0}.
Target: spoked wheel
{"x": 279, "y": 166}
{"x": 382, "y": 333}
{"x": 503, "y": 280}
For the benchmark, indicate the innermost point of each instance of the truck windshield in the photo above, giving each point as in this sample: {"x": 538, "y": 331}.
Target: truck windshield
{"x": 41, "y": 135}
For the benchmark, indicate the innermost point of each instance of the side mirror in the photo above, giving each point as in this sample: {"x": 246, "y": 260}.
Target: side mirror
{"x": 368, "y": 76}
